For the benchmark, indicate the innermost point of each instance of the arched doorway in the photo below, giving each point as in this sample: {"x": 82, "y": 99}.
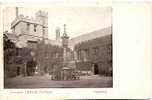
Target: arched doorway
{"x": 31, "y": 67}
{"x": 95, "y": 68}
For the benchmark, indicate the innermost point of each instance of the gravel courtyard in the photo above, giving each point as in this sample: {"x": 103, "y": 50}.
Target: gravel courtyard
{"x": 93, "y": 81}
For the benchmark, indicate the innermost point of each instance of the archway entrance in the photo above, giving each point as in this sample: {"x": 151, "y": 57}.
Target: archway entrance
{"x": 31, "y": 67}
{"x": 95, "y": 69}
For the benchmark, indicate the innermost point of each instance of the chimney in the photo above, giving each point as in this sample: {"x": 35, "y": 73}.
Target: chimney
{"x": 64, "y": 28}
{"x": 57, "y": 33}
{"x": 16, "y": 12}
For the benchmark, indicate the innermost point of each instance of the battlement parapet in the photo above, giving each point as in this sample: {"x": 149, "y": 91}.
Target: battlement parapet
{"x": 30, "y": 19}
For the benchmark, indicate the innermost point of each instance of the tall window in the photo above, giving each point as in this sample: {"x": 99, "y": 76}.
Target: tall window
{"x": 109, "y": 49}
{"x": 96, "y": 51}
{"x": 79, "y": 54}
{"x": 35, "y": 27}
{"x": 86, "y": 54}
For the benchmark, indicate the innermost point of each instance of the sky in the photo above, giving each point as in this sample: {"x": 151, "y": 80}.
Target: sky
{"x": 78, "y": 20}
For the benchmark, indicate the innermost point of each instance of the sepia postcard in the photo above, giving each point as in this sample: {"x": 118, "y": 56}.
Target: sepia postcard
{"x": 57, "y": 47}
{"x": 75, "y": 51}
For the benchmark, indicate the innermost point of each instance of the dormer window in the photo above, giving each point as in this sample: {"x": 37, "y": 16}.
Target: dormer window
{"x": 35, "y": 27}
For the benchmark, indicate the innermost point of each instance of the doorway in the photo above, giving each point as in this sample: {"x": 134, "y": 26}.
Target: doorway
{"x": 18, "y": 71}
{"x": 95, "y": 69}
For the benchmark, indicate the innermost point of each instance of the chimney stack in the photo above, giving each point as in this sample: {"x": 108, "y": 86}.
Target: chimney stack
{"x": 64, "y": 29}
{"x": 57, "y": 33}
{"x": 16, "y": 12}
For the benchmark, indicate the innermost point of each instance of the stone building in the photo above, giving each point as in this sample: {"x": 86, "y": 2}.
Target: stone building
{"x": 91, "y": 51}
{"x": 30, "y": 30}
{"x": 94, "y": 53}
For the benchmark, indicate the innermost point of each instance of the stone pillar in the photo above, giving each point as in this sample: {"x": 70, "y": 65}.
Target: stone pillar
{"x": 64, "y": 54}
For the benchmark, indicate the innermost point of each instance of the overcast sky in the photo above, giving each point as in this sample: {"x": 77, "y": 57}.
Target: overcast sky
{"x": 79, "y": 20}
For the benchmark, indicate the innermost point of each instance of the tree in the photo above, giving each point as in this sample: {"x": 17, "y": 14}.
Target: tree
{"x": 9, "y": 50}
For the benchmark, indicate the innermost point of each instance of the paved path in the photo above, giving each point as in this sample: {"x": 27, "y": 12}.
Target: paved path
{"x": 94, "y": 81}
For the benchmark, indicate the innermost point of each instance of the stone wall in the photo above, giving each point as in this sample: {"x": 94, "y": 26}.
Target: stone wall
{"x": 99, "y": 52}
